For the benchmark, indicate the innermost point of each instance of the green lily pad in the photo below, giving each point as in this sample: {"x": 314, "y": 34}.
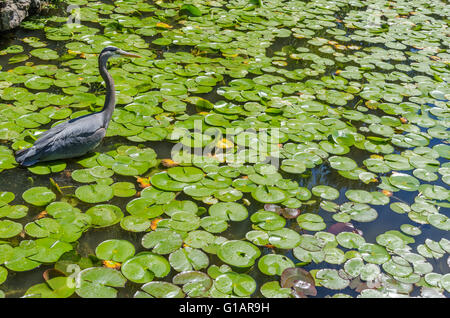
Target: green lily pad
{"x": 18, "y": 259}
{"x": 43, "y": 228}
{"x": 331, "y": 279}
{"x": 234, "y": 283}
{"x": 94, "y": 193}
{"x": 214, "y": 224}
{"x": 99, "y": 282}
{"x": 47, "y": 168}
{"x": 229, "y": 211}
{"x": 238, "y": 253}
{"x": 325, "y": 192}
{"x": 360, "y": 196}
{"x": 342, "y": 163}
{"x": 104, "y": 215}
{"x": 9, "y": 228}
{"x": 39, "y": 196}
{"x": 374, "y": 253}
{"x": 143, "y": 267}
{"x": 404, "y": 182}
{"x": 274, "y": 264}
{"x": 184, "y": 221}
{"x": 185, "y": 174}
{"x": 115, "y": 250}
{"x": 162, "y": 241}
{"x": 49, "y": 250}
{"x": 274, "y": 290}
{"x": 44, "y": 54}
{"x": 6, "y": 197}
{"x": 268, "y": 194}
{"x": 58, "y": 287}
{"x": 267, "y": 220}
{"x": 133, "y": 223}
{"x": 164, "y": 182}
{"x": 195, "y": 283}
{"x": 159, "y": 289}
{"x": 284, "y": 238}
{"x": 123, "y": 189}
{"x": 293, "y": 166}
{"x": 187, "y": 259}
{"x": 191, "y": 10}
{"x": 311, "y": 222}
{"x": 350, "y": 240}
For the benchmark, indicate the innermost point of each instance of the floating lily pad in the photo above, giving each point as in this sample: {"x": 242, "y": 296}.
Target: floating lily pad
{"x": 144, "y": 266}
{"x": 268, "y": 194}
{"x": 274, "y": 264}
{"x": 159, "y": 289}
{"x": 133, "y": 223}
{"x": 99, "y": 282}
{"x": 374, "y": 253}
{"x": 186, "y": 259}
{"x": 284, "y": 238}
{"x": 300, "y": 280}
{"x": 195, "y": 283}
{"x": 330, "y": 278}
{"x": 267, "y": 220}
{"x": 39, "y": 196}
{"x": 94, "y": 193}
{"x": 58, "y": 287}
{"x": 6, "y": 197}
{"x": 190, "y": 10}
{"x": 311, "y": 222}
{"x": 104, "y": 215}
{"x": 342, "y": 163}
{"x": 123, "y": 189}
{"x": 350, "y": 240}
{"x": 49, "y": 250}
{"x": 238, "y": 253}
{"x": 404, "y": 182}
{"x": 45, "y": 54}
{"x": 233, "y": 283}
{"x": 325, "y": 192}
{"x": 162, "y": 241}
{"x": 229, "y": 211}
{"x": 185, "y": 174}
{"x": 9, "y": 228}
{"x": 47, "y": 168}
{"x": 274, "y": 290}
{"x": 164, "y": 182}
{"x": 115, "y": 250}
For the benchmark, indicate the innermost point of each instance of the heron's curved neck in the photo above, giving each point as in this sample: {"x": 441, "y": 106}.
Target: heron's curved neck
{"x": 110, "y": 98}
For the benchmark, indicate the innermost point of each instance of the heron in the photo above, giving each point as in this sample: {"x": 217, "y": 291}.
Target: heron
{"x": 77, "y": 136}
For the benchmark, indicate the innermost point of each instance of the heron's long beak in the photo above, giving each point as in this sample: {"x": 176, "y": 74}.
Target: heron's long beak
{"x": 128, "y": 54}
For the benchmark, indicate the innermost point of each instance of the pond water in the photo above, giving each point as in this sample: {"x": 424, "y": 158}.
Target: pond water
{"x": 322, "y": 129}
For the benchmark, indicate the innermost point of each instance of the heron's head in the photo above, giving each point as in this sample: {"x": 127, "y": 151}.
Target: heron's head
{"x": 112, "y": 51}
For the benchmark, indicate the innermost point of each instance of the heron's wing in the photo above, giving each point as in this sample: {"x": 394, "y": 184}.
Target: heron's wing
{"x": 69, "y": 139}
{"x": 70, "y": 126}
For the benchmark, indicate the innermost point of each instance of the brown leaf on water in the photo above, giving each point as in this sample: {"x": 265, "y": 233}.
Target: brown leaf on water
{"x": 169, "y": 163}
{"x": 154, "y": 223}
{"x": 289, "y": 213}
{"x": 41, "y": 215}
{"x": 111, "y": 264}
{"x": 339, "y": 227}
{"x": 144, "y": 182}
{"x": 301, "y": 281}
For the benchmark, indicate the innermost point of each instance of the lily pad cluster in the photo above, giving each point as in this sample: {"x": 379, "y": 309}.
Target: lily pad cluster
{"x": 303, "y": 143}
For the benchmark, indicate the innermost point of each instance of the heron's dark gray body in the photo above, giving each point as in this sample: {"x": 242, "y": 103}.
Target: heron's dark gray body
{"x": 70, "y": 139}
{"x": 78, "y": 136}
